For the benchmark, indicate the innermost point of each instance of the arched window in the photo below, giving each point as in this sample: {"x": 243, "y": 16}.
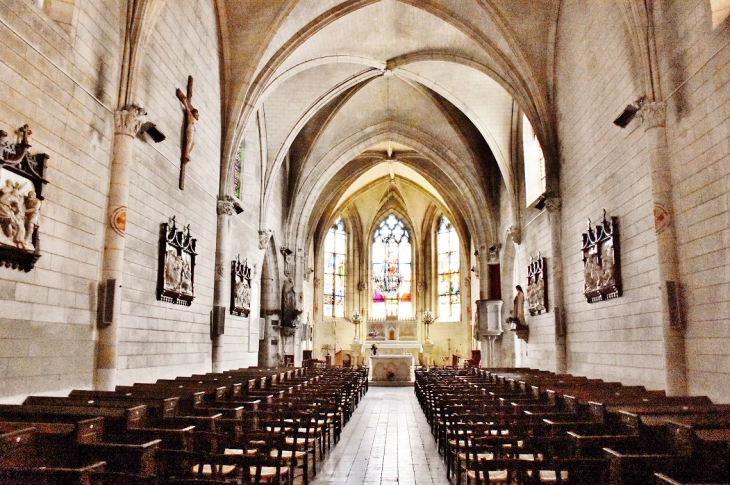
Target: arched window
{"x": 335, "y": 253}
{"x": 237, "y": 164}
{"x": 392, "y": 270}
{"x": 449, "y": 287}
{"x": 534, "y": 163}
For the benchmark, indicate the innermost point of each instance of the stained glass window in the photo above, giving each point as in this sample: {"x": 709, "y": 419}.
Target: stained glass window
{"x": 449, "y": 287}
{"x": 335, "y": 251}
{"x": 391, "y": 253}
{"x": 237, "y": 171}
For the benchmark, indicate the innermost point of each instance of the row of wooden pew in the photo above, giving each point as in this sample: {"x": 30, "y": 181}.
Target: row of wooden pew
{"x": 241, "y": 426}
{"x": 528, "y": 426}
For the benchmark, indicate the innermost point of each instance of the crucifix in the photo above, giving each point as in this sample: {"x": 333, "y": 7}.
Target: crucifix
{"x": 191, "y": 116}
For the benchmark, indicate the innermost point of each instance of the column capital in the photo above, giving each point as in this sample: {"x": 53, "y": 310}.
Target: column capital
{"x": 653, "y": 115}
{"x": 128, "y": 121}
{"x": 553, "y": 204}
{"x": 224, "y": 206}
{"x": 264, "y": 236}
{"x": 514, "y": 233}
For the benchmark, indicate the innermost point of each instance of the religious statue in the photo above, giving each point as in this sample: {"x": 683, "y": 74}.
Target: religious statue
{"x": 289, "y": 303}
{"x": 173, "y": 270}
{"x": 191, "y": 116}
{"x": 519, "y": 305}
{"x": 243, "y": 294}
{"x": 12, "y": 213}
{"x": 32, "y": 217}
{"x": 19, "y": 215}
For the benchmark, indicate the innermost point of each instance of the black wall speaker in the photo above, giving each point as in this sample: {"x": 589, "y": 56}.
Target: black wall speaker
{"x": 218, "y": 320}
{"x": 107, "y": 303}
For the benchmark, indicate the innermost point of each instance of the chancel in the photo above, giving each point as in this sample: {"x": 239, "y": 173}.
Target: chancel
{"x": 394, "y": 212}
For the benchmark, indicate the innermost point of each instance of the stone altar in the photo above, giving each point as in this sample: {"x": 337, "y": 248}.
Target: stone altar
{"x": 392, "y": 370}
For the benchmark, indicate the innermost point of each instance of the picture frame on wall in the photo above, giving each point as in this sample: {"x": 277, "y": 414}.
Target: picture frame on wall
{"x": 241, "y": 274}
{"x": 601, "y": 264}
{"x": 22, "y": 177}
{"x": 176, "y": 275}
{"x": 536, "y": 286}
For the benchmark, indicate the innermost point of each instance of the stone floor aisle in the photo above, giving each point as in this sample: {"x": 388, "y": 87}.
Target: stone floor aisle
{"x": 387, "y": 440}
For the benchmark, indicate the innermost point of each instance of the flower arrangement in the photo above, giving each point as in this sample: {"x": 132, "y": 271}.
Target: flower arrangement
{"x": 372, "y": 334}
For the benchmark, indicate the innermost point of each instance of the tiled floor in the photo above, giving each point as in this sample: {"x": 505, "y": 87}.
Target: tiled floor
{"x": 386, "y": 441}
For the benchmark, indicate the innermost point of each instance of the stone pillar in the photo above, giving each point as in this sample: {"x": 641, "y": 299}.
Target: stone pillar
{"x": 222, "y": 281}
{"x": 553, "y": 206}
{"x": 127, "y": 123}
{"x": 653, "y": 116}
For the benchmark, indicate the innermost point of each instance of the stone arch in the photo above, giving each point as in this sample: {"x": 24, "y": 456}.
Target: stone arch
{"x": 142, "y": 17}
{"x": 460, "y": 193}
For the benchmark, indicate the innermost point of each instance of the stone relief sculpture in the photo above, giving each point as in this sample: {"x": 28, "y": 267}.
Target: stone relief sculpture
{"x": 21, "y": 184}
{"x": 600, "y": 261}
{"x": 536, "y": 285}
{"x": 241, "y": 275}
{"x": 177, "y": 264}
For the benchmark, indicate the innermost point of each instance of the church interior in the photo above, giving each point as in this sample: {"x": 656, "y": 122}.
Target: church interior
{"x": 399, "y": 187}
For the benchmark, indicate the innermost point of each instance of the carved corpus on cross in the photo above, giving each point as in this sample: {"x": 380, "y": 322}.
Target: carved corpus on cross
{"x": 191, "y": 116}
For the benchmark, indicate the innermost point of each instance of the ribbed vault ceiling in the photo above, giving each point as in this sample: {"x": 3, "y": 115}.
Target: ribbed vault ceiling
{"x": 434, "y": 79}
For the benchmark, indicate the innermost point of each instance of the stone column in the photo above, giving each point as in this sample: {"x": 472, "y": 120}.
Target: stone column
{"x": 653, "y": 116}
{"x": 553, "y": 206}
{"x": 221, "y": 284}
{"x": 127, "y": 123}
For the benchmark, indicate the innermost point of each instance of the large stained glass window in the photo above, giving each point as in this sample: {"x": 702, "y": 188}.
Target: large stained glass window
{"x": 335, "y": 251}
{"x": 449, "y": 287}
{"x": 237, "y": 162}
{"x": 392, "y": 270}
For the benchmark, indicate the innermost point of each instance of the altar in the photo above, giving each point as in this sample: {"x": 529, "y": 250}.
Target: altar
{"x": 392, "y": 370}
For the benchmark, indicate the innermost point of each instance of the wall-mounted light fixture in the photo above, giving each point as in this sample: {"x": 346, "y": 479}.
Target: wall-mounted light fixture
{"x": 629, "y": 112}
{"x": 151, "y": 129}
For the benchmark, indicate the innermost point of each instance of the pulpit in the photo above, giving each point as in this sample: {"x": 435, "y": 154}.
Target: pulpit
{"x": 392, "y": 370}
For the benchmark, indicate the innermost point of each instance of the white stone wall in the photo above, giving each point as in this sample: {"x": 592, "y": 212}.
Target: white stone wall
{"x": 606, "y": 167}
{"x": 62, "y": 83}
{"x": 695, "y": 72}
{"x": 158, "y": 339}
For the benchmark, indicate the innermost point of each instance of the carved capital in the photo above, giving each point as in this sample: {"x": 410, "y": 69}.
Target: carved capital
{"x": 264, "y": 236}
{"x": 514, "y": 233}
{"x": 225, "y": 206}
{"x": 553, "y": 204}
{"x": 653, "y": 115}
{"x": 128, "y": 121}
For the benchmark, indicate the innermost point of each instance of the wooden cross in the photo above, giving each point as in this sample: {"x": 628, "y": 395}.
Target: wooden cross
{"x": 191, "y": 116}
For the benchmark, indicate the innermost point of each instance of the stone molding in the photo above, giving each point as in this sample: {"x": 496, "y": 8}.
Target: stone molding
{"x": 225, "y": 206}
{"x": 553, "y": 204}
{"x": 128, "y": 121}
{"x": 653, "y": 115}
{"x": 264, "y": 236}
{"x": 514, "y": 233}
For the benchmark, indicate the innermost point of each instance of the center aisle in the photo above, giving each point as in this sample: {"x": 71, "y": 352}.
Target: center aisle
{"x": 387, "y": 440}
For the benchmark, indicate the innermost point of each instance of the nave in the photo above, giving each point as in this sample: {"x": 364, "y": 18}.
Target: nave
{"x": 387, "y": 440}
